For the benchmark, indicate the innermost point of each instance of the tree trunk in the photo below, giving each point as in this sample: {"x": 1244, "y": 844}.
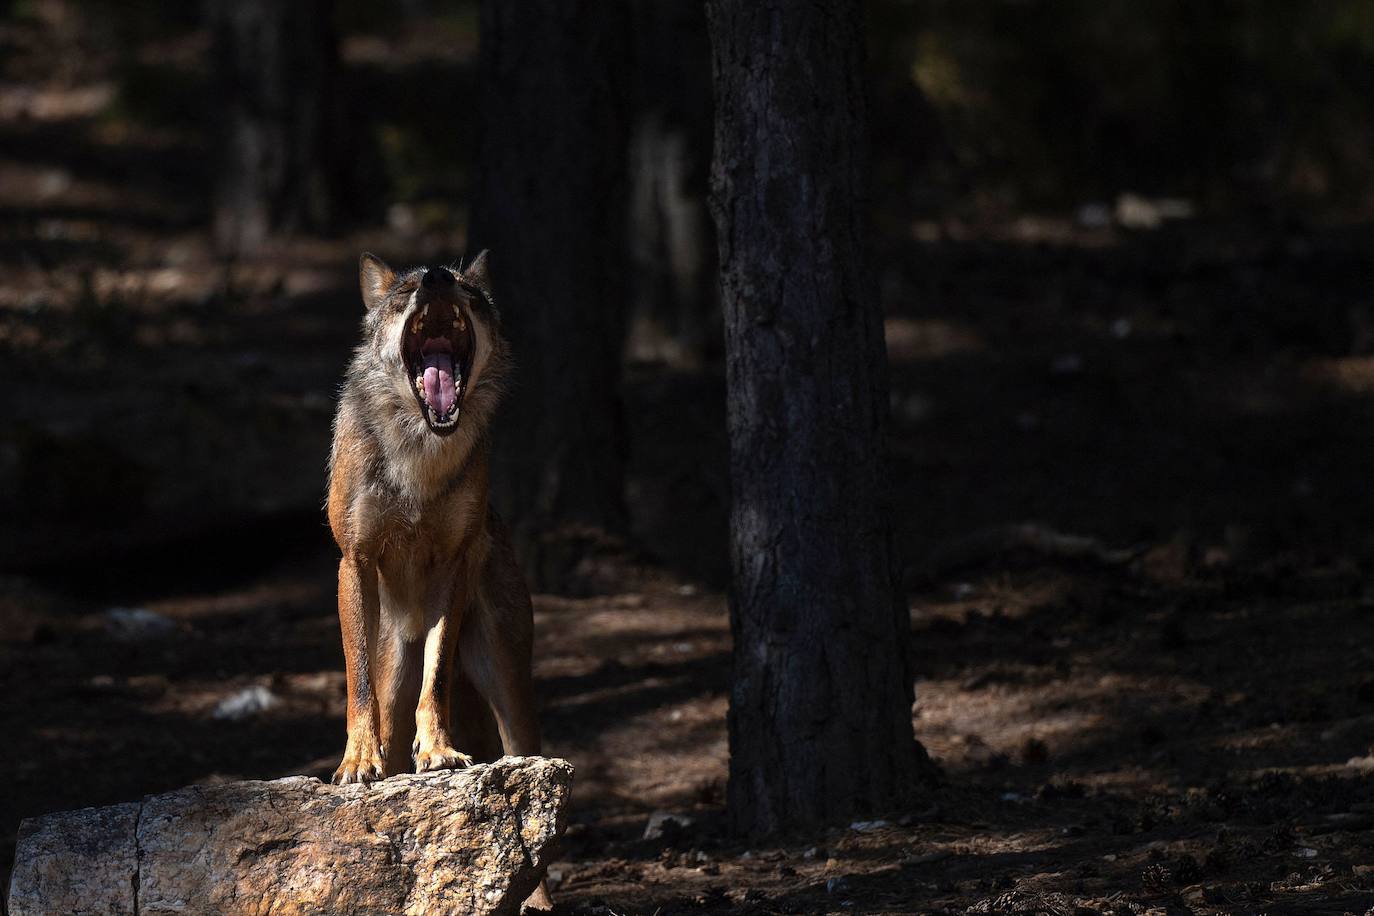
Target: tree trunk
{"x": 673, "y": 304}
{"x": 820, "y": 707}
{"x": 275, "y": 69}
{"x": 548, "y": 205}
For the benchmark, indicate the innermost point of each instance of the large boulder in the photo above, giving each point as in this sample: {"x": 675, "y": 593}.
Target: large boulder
{"x": 459, "y": 841}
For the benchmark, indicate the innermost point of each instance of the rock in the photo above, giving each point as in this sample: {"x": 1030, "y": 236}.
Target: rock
{"x": 245, "y": 703}
{"x": 666, "y": 824}
{"x": 1094, "y": 215}
{"x": 457, "y": 841}
{"x": 137, "y": 623}
{"x": 79, "y": 862}
{"x": 869, "y": 826}
{"x": 109, "y": 466}
{"x": 1136, "y": 212}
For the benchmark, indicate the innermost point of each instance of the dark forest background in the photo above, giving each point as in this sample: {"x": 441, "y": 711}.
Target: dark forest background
{"x": 1198, "y": 142}
{"x": 1123, "y": 253}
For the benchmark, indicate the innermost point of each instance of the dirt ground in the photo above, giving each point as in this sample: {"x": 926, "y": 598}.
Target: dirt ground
{"x": 1159, "y": 734}
{"x": 1130, "y": 488}
{"x": 1139, "y": 580}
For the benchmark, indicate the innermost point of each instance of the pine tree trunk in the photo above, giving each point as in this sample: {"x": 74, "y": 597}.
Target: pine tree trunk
{"x": 549, "y": 206}
{"x": 275, "y": 68}
{"x": 820, "y": 708}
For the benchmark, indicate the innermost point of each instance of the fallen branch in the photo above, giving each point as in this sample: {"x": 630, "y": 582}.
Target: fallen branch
{"x": 989, "y": 544}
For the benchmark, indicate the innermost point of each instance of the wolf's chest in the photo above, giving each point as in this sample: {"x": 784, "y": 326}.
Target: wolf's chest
{"x": 420, "y": 564}
{"x": 420, "y": 554}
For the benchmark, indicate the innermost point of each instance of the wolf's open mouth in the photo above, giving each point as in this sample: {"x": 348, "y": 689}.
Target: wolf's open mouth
{"x": 437, "y": 349}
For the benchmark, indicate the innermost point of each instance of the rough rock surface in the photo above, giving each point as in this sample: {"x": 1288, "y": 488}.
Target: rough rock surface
{"x": 460, "y": 841}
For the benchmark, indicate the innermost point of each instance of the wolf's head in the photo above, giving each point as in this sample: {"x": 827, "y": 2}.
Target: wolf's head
{"x": 432, "y": 358}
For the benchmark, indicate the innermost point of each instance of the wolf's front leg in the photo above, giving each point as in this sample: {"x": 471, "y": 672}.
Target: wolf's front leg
{"x": 433, "y": 748}
{"x": 358, "y": 617}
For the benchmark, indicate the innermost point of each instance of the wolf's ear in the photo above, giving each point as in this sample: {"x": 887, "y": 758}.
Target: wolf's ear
{"x": 478, "y": 274}
{"x": 375, "y": 278}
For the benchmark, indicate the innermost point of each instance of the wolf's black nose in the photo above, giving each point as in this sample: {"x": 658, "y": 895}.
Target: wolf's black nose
{"x": 437, "y": 278}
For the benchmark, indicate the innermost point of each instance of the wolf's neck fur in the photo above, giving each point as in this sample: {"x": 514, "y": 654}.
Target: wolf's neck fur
{"x": 416, "y": 464}
{"x": 419, "y": 465}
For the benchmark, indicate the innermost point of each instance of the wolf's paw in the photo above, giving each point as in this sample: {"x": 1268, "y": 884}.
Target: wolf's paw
{"x": 361, "y": 764}
{"x": 438, "y": 756}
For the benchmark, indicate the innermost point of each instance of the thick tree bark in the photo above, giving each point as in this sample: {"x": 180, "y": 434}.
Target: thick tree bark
{"x": 275, "y": 68}
{"x": 820, "y": 708}
{"x": 548, "y": 204}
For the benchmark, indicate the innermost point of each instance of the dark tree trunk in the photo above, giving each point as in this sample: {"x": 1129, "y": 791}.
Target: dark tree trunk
{"x": 549, "y": 206}
{"x": 820, "y": 708}
{"x": 674, "y": 310}
{"x": 275, "y": 63}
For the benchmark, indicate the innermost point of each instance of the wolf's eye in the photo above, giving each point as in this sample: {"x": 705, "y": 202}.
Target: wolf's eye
{"x": 401, "y": 298}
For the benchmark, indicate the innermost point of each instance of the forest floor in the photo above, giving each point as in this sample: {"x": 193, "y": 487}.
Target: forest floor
{"x": 1132, "y": 504}
{"x": 1167, "y": 735}
{"x": 1131, "y": 494}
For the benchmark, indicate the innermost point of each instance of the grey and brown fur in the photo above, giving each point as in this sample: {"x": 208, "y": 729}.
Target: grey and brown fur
{"x": 435, "y": 614}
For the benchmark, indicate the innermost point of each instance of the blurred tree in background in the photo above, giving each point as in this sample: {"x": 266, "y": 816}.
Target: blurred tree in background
{"x": 276, "y": 100}
{"x": 1050, "y": 104}
{"x": 672, "y": 297}
{"x": 549, "y": 203}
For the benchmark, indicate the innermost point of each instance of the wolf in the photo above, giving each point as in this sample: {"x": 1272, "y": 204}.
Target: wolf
{"x": 436, "y": 617}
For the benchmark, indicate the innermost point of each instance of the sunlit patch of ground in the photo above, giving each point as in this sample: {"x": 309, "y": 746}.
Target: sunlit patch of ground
{"x": 911, "y": 340}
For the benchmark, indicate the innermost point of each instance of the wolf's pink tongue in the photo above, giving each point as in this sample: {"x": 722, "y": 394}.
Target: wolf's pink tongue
{"x": 439, "y": 382}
